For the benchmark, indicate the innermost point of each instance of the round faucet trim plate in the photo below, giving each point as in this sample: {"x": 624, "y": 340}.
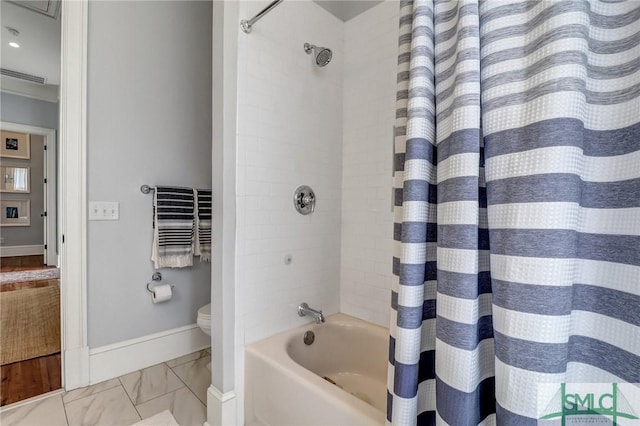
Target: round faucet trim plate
{"x": 304, "y": 200}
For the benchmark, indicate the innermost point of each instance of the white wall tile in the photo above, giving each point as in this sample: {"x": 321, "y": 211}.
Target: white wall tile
{"x": 290, "y": 134}
{"x": 369, "y": 109}
{"x": 330, "y": 128}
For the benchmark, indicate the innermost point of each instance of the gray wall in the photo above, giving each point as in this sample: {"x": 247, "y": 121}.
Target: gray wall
{"x": 32, "y": 112}
{"x": 33, "y": 234}
{"x": 149, "y": 121}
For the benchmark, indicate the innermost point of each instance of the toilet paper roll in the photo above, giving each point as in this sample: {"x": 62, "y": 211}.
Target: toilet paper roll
{"x": 161, "y": 293}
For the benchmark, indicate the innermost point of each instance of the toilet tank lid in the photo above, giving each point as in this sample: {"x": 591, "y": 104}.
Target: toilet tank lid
{"x": 205, "y": 311}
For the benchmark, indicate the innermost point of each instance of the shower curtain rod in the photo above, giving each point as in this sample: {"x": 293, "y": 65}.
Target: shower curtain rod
{"x": 247, "y": 24}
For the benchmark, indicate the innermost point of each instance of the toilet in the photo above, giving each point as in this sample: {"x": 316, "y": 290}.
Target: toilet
{"x": 204, "y": 322}
{"x": 204, "y": 319}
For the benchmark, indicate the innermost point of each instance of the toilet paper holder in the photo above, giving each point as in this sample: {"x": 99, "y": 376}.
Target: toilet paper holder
{"x": 157, "y": 276}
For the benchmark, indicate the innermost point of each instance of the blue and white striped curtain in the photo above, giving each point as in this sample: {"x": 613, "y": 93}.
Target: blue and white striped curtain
{"x": 517, "y": 241}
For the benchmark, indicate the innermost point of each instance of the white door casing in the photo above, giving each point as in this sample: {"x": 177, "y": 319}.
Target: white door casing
{"x": 73, "y": 194}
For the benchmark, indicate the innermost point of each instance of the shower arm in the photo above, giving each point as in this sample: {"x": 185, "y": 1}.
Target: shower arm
{"x": 247, "y": 24}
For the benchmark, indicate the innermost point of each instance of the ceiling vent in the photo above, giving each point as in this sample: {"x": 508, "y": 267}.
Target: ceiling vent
{"x": 23, "y": 76}
{"x": 50, "y": 8}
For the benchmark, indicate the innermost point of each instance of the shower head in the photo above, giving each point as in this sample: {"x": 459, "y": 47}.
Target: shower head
{"x": 323, "y": 55}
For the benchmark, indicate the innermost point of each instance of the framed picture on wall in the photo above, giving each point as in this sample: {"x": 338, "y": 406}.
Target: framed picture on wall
{"x": 15, "y": 145}
{"x": 14, "y": 178}
{"x": 15, "y": 213}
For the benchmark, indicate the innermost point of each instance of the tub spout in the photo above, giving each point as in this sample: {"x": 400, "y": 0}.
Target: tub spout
{"x": 305, "y": 310}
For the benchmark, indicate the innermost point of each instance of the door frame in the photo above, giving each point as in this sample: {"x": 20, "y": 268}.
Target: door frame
{"x": 73, "y": 194}
{"x": 51, "y": 257}
{"x": 50, "y": 220}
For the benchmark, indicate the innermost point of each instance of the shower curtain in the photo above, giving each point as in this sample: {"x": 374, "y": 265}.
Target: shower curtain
{"x": 517, "y": 206}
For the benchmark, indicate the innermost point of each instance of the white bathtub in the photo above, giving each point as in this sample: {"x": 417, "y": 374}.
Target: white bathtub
{"x": 284, "y": 382}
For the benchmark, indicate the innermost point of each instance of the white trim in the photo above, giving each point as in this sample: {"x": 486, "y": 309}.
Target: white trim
{"x": 9, "y": 251}
{"x": 226, "y": 373}
{"x": 221, "y": 407}
{"x": 76, "y": 375}
{"x": 107, "y": 362}
{"x": 222, "y": 397}
{"x": 49, "y": 134}
{"x": 72, "y": 195}
{"x": 31, "y": 400}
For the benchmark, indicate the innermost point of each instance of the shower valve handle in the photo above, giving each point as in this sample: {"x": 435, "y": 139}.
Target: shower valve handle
{"x": 304, "y": 200}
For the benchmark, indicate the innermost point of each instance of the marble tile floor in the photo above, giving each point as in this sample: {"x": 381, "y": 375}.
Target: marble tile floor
{"x": 179, "y": 385}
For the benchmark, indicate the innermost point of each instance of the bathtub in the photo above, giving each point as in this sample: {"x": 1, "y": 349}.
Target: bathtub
{"x": 285, "y": 380}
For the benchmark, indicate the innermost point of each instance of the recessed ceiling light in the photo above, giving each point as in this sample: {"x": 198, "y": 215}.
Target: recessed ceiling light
{"x": 14, "y": 33}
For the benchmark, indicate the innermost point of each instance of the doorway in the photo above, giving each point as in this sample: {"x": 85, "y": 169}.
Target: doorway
{"x": 30, "y": 183}
{"x": 30, "y": 347}
{"x": 30, "y": 315}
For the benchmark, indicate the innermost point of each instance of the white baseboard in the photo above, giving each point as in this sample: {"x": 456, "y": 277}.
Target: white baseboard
{"x": 9, "y": 251}
{"x": 107, "y": 362}
{"x": 221, "y": 408}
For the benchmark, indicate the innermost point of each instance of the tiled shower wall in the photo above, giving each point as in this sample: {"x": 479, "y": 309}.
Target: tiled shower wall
{"x": 370, "y": 57}
{"x": 280, "y": 148}
{"x": 341, "y": 146}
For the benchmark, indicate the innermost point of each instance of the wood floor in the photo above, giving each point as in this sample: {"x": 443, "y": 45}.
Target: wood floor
{"x": 22, "y": 263}
{"x": 25, "y": 379}
{"x": 32, "y": 377}
{"x": 29, "y": 284}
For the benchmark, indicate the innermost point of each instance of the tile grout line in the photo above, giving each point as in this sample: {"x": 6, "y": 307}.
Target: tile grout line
{"x": 161, "y": 396}
{"x": 180, "y": 378}
{"x": 129, "y": 397}
{"x": 64, "y": 409}
{"x": 91, "y": 394}
{"x": 166, "y": 362}
{"x": 121, "y": 385}
{"x": 186, "y": 385}
{"x": 135, "y": 406}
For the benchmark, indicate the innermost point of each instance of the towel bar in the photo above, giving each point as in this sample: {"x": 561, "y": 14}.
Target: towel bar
{"x": 146, "y": 189}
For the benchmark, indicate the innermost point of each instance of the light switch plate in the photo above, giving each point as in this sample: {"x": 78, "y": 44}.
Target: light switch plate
{"x": 104, "y": 210}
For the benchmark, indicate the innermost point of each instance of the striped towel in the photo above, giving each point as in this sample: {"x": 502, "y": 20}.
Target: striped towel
{"x": 173, "y": 227}
{"x": 203, "y": 225}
